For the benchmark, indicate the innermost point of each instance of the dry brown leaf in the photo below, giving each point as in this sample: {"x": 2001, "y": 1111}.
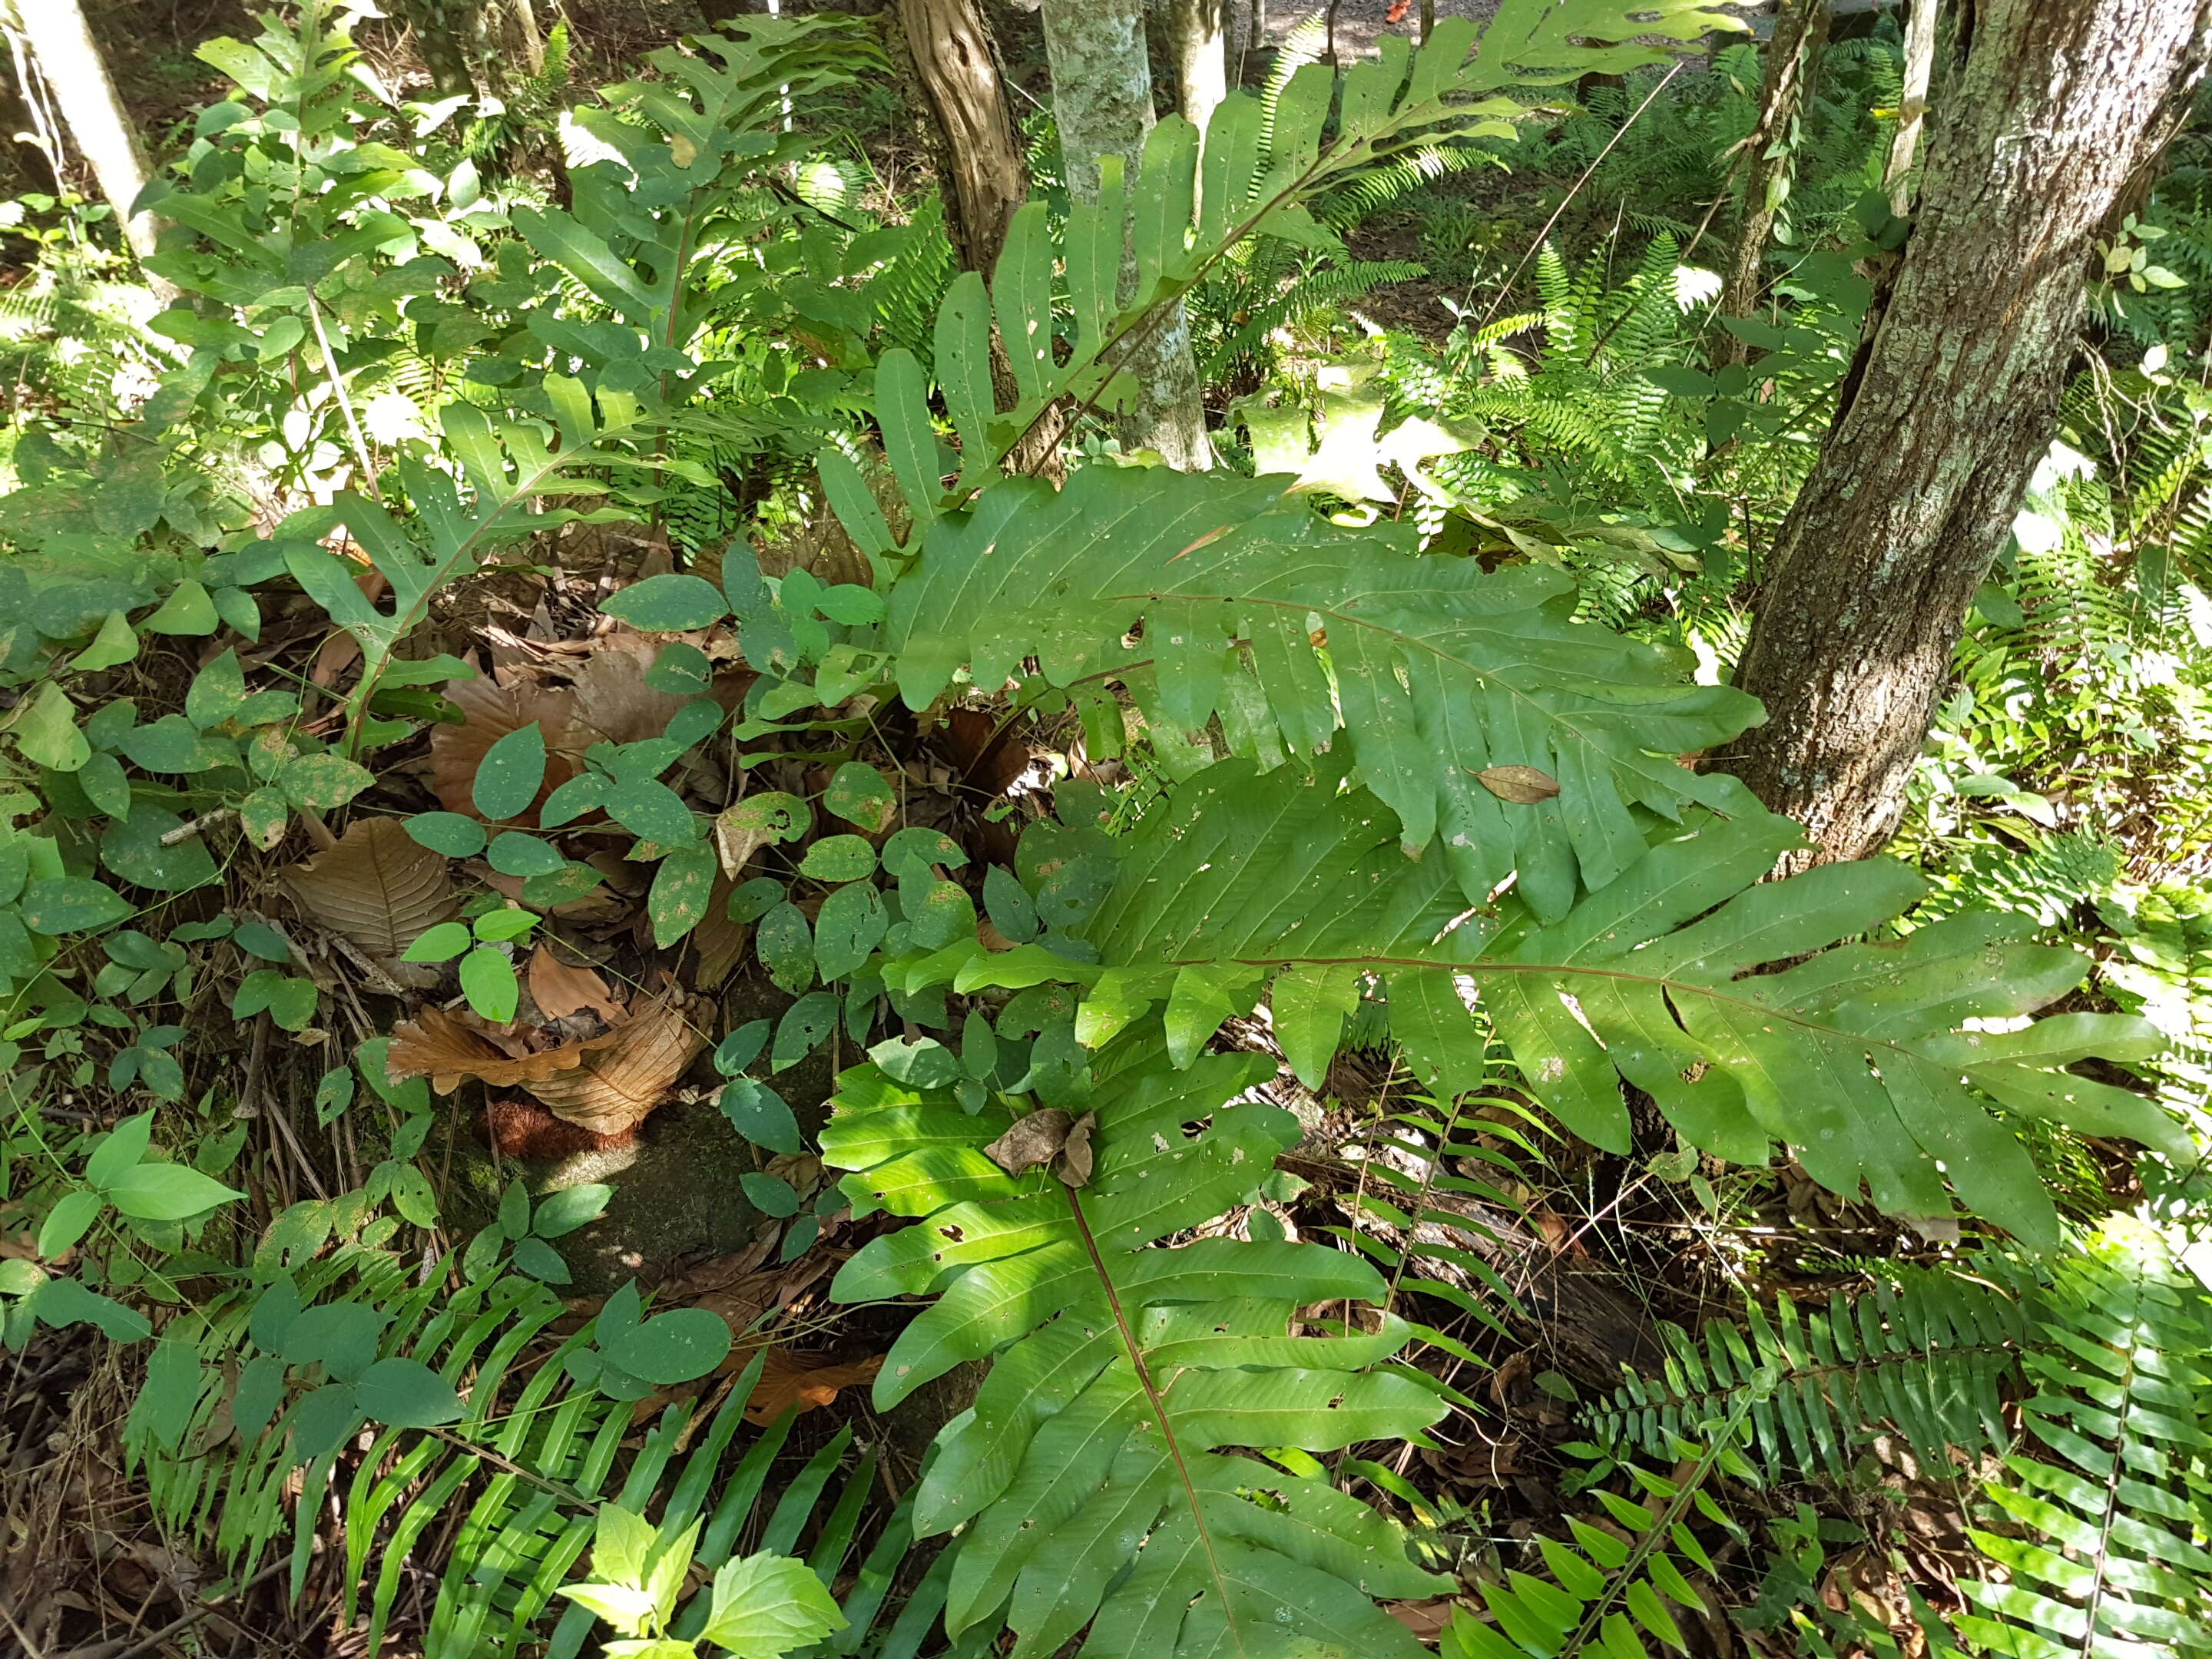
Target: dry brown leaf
{"x": 1034, "y": 1140}
{"x": 612, "y": 700}
{"x": 719, "y": 940}
{"x": 787, "y": 1381}
{"x": 1072, "y": 1166}
{"x": 1524, "y": 785}
{"x": 622, "y": 1076}
{"x": 1427, "y": 1620}
{"x": 493, "y": 710}
{"x": 378, "y": 887}
{"x": 560, "y": 990}
{"x": 440, "y": 1046}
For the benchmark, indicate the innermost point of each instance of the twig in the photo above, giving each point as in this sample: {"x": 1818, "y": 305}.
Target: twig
{"x": 1506, "y": 287}
{"x": 206, "y": 820}
{"x": 345, "y": 401}
{"x": 147, "y": 1644}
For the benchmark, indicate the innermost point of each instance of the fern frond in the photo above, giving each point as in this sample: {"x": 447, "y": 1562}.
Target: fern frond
{"x": 1925, "y": 1353}
{"x": 2104, "y": 1520}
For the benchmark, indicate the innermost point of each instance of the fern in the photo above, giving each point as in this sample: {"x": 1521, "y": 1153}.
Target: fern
{"x": 1926, "y": 1352}
{"x": 2100, "y": 1526}
{"x": 1850, "y": 1057}
{"x": 1123, "y": 1369}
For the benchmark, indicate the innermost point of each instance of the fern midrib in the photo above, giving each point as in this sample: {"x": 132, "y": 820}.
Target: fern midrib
{"x": 1136, "y": 1353}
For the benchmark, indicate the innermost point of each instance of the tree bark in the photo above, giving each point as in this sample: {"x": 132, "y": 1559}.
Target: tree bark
{"x": 983, "y": 176}
{"x": 70, "y": 61}
{"x": 1952, "y": 400}
{"x": 1199, "y": 28}
{"x": 1912, "y": 102}
{"x": 1101, "y": 94}
{"x": 1800, "y": 32}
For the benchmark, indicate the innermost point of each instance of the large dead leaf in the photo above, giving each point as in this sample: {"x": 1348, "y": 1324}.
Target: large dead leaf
{"x": 494, "y": 710}
{"x": 612, "y": 700}
{"x": 560, "y": 990}
{"x": 621, "y": 1076}
{"x": 719, "y": 940}
{"x": 442, "y": 1047}
{"x": 378, "y": 887}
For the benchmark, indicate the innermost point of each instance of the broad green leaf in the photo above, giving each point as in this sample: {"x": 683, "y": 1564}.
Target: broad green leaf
{"x": 671, "y": 1347}
{"x": 509, "y": 776}
{"x": 46, "y": 731}
{"x": 167, "y": 1191}
{"x": 406, "y": 1393}
{"x": 667, "y": 604}
{"x": 487, "y": 981}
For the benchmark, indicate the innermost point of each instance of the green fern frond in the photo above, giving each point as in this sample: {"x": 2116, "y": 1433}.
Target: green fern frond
{"x": 1924, "y": 1352}
{"x": 2100, "y": 1525}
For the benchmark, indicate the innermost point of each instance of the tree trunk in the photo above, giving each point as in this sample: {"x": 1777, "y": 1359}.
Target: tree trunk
{"x": 70, "y": 61}
{"x": 981, "y": 172}
{"x": 439, "y": 37}
{"x": 1800, "y": 32}
{"x": 1102, "y": 97}
{"x": 1952, "y": 399}
{"x": 1201, "y": 57}
{"x": 1912, "y": 102}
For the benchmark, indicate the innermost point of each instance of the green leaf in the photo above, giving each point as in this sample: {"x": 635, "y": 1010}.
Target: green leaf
{"x": 324, "y": 782}
{"x": 406, "y": 1393}
{"x": 772, "y": 1195}
{"x": 839, "y": 858}
{"x": 61, "y": 1302}
{"x": 448, "y": 833}
{"x": 860, "y": 795}
{"x": 802, "y": 1029}
{"x": 785, "y": 945}
{"x": 188, "y": 610}
{"x": 67, "y": 1221}
{"x": 850, "y": 925}
{"x": 651, "y": 810}
{"x": 515, "y": 854}
{"x": 167, "y": 1191}
{"x": 559, "y": 1213}
{"x": 759, "y": 1114}
{"x": 441, "y": 942}
{"x": 671, "y": 1347}
{"x": 46, "y": 732}
{"x": 265, "y": 814}
{"x": 541, "y": 1261}
{"x": 667, "y": 604}
{"x": 133, "y": 850}
{"x": 71, "y": 905}
{"x": 768, "y": 1605}
{"x": 217, "y": 691}
{"x": 505, "y": 924}
{"x": 489, "y": 982}
{"x": 509, "y": 776}
{"x": 682, "y": 888}
{"x": 115, "y": 644}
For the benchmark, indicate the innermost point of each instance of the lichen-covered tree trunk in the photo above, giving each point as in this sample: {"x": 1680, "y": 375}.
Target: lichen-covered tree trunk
{"x": 1952, "y": 399}
{"x": 1200, "y": 39}
{"x": 1792, "y": 57}
{"x": 69, "y": 60}
{"x": 984, "y": 178}
{"x": 1101, "y": 95}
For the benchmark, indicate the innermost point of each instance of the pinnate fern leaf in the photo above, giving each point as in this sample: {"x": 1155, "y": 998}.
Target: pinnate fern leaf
{"x": 1435, "y": 669}
{"x": 1852, "y": 1058}
{"x": 1125, "y": 1369}
{"x": 2099, "y": 1521}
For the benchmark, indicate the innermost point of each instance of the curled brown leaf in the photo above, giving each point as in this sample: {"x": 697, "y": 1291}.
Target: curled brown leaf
{"x": 1034, "y": 1140}
{"x": 1524, "y": 785}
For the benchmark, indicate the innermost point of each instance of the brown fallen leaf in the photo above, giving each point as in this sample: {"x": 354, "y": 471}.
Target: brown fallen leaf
{"x": 621, "y": 1076}
{"x": 1072, "y": 1166}
{"x": 1524, "y": 785}
{"x": 1034, "y": 1140}
{"x": 560, "y": 990}
{"x": 1427, "y": 1620}
{"x": 719, "y": 941}
{"x": 612, "y": 699}
{"x": 440, "y": 1046}
{"x": 494, "y": 709}
{"x": 378, "y": 887}
{"x": 788, "y": 1381}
